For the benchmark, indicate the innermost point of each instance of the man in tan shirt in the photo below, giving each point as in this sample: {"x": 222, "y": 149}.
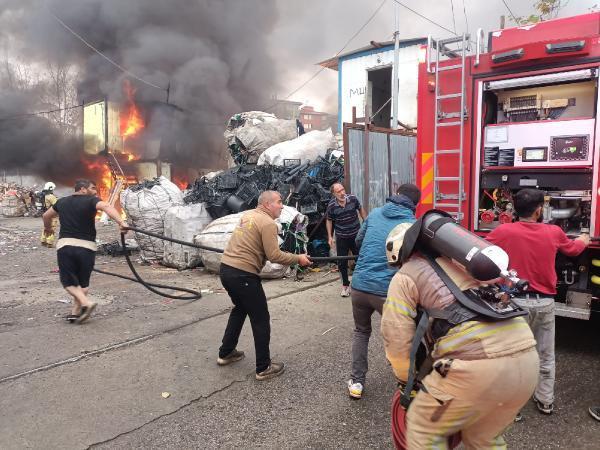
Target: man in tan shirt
{"x": 253, "y": 242}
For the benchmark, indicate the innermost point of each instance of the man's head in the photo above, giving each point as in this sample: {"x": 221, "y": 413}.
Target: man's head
{"x": 412, "y": 192}
{"x": 338, "y": 191}
{"x": 85, "y": 187}
{"x": 271, "y": 201}
{"x": 529, "y": 203}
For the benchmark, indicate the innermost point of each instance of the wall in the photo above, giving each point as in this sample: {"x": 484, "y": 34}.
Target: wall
{"x": 353, "y": 82}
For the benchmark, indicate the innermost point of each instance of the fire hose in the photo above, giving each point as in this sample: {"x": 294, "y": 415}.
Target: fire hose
{"x": 194, "y": 295}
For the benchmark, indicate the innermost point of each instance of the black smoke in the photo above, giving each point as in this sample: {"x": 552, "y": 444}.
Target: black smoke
{"x": 211, "y": 55}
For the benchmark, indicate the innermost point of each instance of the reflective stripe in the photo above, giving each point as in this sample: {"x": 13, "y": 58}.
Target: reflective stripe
{"x": 477, "y": 332}
{"x": 400, "y": 306}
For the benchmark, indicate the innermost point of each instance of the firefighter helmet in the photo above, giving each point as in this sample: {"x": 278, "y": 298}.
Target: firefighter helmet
{"x": 393, "y": 243}
{"x": 49, "y": 186}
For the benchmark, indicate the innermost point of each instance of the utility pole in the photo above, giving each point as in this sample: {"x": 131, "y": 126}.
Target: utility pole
{"x": 502, "y": 19}
{"x": 395, "y": 69}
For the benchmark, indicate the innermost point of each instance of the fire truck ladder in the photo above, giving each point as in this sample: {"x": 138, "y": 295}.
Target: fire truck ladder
{"x": 453, "y": 173}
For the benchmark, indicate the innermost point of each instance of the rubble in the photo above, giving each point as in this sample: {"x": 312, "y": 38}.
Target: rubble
{"x": 303, "y": 186}
{"x": 16, "y": 200}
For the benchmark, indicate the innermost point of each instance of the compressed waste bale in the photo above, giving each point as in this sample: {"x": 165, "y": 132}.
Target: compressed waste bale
{"x": 248, "y": 134}
{"x": 13, "y": 205}
{"x": 183, "y": 222}
{"x": 146, "y": 205}
{"x": 307, "y": 147}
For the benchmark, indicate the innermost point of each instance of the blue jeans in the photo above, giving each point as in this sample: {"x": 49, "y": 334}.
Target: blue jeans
{"x": 542, "y": 324}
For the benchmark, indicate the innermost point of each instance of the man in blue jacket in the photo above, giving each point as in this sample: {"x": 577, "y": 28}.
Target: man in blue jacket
{"x": 372, "y": 275}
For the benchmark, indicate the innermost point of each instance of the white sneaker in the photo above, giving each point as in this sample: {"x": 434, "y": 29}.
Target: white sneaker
{"x": 355, "y": 389}
{"x": 345, "y": 291}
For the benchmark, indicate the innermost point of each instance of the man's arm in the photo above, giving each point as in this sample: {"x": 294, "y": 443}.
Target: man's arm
{"x": 274, "y": 253}
{"x": 571, "y": 247}
{"x": 362, "y": 213}
{"x": 329, "y": 226}
{"x": 47, "y": 218}
{"x": 112, "y": 213}
{"x": 398, "y": 323}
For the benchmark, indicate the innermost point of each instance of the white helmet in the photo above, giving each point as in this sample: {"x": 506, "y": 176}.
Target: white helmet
{"x": 393, "y": 243}
{"x": 49, "y": 186}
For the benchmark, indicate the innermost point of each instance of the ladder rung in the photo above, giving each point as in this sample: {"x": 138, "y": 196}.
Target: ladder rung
{"x": 447, "y": 124}
{"x": 447, "y": 152}
{"x": 441, "y": 97}
{"x": 452, "y": 67}
{"x": 447, "y": 178}
{"x": 453, "y": 40}
{"x": 450, "y": 115}
{"x": 449, "y": 197}
{"x": 447, "y": 205}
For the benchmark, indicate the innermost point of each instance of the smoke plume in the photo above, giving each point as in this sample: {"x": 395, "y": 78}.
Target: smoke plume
{"x": 211, "y": 55}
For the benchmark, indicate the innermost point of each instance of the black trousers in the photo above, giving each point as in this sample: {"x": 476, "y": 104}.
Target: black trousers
{"x": 342, "y": 247}
{"x": 248, "y": 298}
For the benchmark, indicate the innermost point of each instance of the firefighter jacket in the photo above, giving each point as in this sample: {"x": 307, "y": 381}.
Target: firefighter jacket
{"x": 49, "y": 200}
{"x": 416, "y": 285}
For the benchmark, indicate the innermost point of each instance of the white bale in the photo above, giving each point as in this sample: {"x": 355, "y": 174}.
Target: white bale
{"x": 309, "y": 146}
{"x": 183, "y": 222}
{"x": 146, "y": 209}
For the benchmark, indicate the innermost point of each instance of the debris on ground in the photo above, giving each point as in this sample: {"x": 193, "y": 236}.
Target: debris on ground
{"x": 116, "y": 249}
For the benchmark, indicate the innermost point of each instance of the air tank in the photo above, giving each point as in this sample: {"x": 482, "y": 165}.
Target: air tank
{"x": 483, "y": 260}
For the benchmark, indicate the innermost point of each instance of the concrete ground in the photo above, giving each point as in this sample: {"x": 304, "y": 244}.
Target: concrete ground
{"x": 101, "y": 384}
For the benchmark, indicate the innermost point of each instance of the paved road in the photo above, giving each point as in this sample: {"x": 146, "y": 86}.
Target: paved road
{"x": 100, "y": 384}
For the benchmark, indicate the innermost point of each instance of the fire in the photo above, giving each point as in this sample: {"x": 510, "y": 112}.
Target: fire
{"x": 104, "y": 178}
{"x": 131, "y": 121}
{"x": 180, "y": 182}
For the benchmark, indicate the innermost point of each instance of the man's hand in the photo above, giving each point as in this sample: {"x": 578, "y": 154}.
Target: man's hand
{"x": 585, "y": 238}
{"x": 304, "y": 260}
{"x": 331, "y": 242}
{"x": 48, "y": 232}
{"x": 123, "y": 226}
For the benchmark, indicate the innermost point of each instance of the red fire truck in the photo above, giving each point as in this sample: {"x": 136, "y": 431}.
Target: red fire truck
{"x": 521, "y": 113}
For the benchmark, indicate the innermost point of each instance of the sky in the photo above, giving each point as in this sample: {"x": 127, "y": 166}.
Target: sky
{"x": 314, "y": 30}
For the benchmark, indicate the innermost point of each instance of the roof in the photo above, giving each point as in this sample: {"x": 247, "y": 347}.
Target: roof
{"x": 332, "y": 63}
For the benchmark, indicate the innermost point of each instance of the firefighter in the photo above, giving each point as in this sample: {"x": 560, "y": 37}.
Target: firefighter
{"x": 484, "y": 369}
{"x": 49, "y": 199}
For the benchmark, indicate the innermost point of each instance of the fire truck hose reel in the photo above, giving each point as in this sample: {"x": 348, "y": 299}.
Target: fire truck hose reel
{"x": 194, "y": 295}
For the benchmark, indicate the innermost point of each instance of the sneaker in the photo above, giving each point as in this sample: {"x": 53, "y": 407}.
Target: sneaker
{"x": 345, "y": 291}
{"x": 274, "y": 370}
{"x": 234, "y": 356}
{"x": 595, "y": 412}
{"x": 518, "y": 417}
{"x": 355, "y": 389}
{"x": 542, "y": 407}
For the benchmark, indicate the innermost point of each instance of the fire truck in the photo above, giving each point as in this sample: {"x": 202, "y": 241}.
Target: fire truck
{"x": 512, "y": 110}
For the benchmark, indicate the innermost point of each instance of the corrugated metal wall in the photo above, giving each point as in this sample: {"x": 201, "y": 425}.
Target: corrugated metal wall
{"x": 400, "y": 164}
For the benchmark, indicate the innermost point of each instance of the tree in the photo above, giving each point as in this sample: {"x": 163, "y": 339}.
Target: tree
{"x": 545, "y": 10}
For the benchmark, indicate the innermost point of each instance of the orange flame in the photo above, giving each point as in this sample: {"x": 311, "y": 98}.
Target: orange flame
{"x": 131, "y": 121}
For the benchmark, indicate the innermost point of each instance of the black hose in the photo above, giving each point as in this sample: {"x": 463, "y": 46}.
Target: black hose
{"x": 195, "y": 295}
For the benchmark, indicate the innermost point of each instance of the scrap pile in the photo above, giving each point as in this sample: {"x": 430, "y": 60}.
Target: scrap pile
{"x": 303, "y": 186}
{"x": 15, "y": 200}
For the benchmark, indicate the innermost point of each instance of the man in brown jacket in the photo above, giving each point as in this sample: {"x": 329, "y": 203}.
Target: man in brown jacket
{"x": 253, "y": 242}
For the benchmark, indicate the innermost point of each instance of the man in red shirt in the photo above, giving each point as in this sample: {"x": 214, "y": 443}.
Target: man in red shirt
{"x": 532, "y": 247}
